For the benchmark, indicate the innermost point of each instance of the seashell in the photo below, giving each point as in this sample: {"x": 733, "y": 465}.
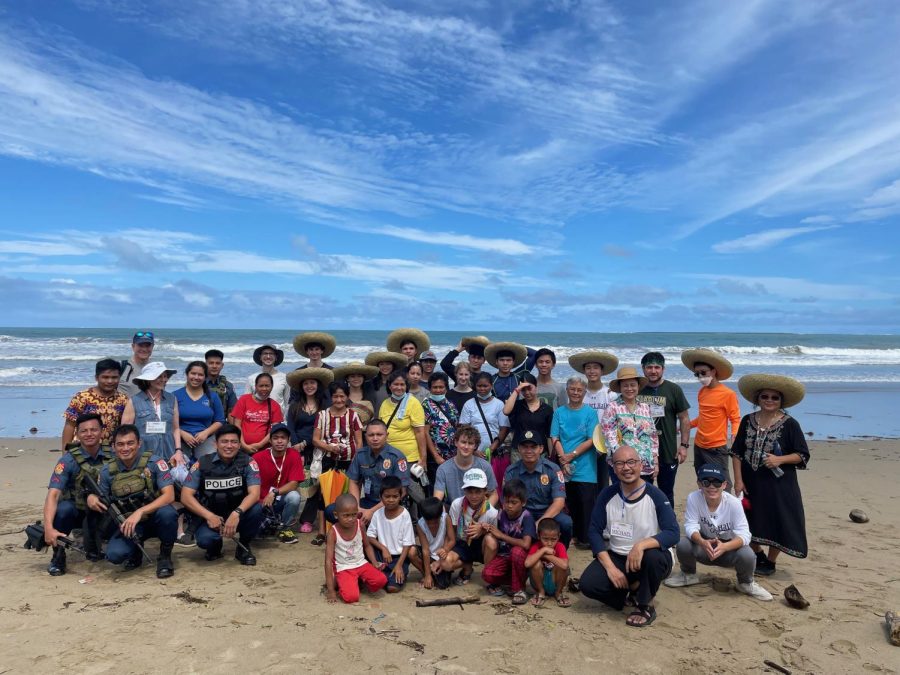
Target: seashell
{"x": 859, "y": 516}
{"x": 794, "y": 598}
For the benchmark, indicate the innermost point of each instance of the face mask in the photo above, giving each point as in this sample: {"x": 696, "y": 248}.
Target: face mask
{"x": 396, "y": 398}
{"x": 437, "y": 397}
{"x": 705, "y": 381}
{"x": 485, "y": 397}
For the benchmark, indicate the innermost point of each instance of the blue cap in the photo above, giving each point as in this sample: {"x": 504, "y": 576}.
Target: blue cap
{"x": 711, "y": 472}
{"x": 279, "y": 427}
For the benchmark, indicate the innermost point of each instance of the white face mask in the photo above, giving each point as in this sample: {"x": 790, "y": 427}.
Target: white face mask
{"x": 705, "y": 381}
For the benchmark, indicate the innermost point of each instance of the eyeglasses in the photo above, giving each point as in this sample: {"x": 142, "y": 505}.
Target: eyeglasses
{"x": 711, "y": 483}
{"x": 146, "y": 334}
{"x": 769, "y": 397}
{"x": 628, "y": 462}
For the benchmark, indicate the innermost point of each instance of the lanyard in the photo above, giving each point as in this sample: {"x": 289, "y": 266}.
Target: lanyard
{"x": 278, "y": 467}
{"x": 631, "y": 494}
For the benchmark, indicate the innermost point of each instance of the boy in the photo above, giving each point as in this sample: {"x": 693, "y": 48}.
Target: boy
{"x": 218, "y": 383}
{"x": 550, "y": 391}
{"x": 470, "y": 515}
{"x": 280, "y": 473}
{"x": 391, "y": 531}
{"x": 345, "y": 564}
{"x": 513, "y": 533}
{"x": 548, "y": 565}
{"x": 449, "y": 476}
{"x": 435, "y": 534}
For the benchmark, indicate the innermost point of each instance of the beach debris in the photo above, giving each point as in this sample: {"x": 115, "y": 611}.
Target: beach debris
{"x": 775, "y": 666}
{"x": 447, "y": 602}
{"x": 190, "y": 599}
{"x": 794, "y": 598}
{"x": 33, "y": 430}
{"x": 892, "y": 621}
{"x": 86, "y": 580}
{"x": 859, "y": 516}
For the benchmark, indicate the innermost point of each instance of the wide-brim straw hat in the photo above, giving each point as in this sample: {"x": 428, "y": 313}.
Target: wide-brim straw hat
{"x": 296, "y": 377}
{"x": 792, "y": 391}
{"x": 627, "y": 373}
{"x": 418, "y": 337}
{"x": 354, "y": 368}
{"x": 599, "y": 440}
{"x": 724, "y": 369}
{"x": 153, "y": 370}
{"x": 279, "y": 355}
{"x": 494, "y": 348}
{"x": 608, "y": 362}
{"x": 315, "y": 337}
{"x": 475, "y": 340}
{"x": 374, "y": 358}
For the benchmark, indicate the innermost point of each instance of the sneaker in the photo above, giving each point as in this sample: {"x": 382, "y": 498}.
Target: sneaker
{"x": 287, "y": 537}
{"x": 681, "y": 580}
{"x": 186, "y": 539}
{"x": 754, "y": 590}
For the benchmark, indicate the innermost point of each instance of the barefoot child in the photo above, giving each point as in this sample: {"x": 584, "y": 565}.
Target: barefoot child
{"x": 469, "y": 516}
{"x": 391, "y": 531}
{"x": 513, "y": 533}
{"x": 548, "y": 565}
{"x": 345, "y": 564}
{"x": 435, "y": 534}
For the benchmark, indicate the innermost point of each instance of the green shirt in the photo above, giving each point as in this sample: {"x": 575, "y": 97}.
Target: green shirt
{"x": 666, "y": 401}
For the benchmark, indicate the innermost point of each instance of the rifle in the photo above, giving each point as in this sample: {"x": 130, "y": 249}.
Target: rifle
{"x": 36, "y": 541}
{"x": 113, "y": 508}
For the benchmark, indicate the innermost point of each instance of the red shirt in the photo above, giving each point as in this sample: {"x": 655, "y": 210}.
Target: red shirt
{"x": 291, "y": 466}
{"x": 559, "y": 551}
{"x": 254, "y": 416}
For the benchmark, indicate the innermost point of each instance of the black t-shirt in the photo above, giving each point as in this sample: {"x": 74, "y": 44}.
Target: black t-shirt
{"x": 459, "y": 398}
{"x": 523, "y": 419}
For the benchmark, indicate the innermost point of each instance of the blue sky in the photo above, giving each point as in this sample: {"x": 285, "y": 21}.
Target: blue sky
{"x": 562, "y": 165}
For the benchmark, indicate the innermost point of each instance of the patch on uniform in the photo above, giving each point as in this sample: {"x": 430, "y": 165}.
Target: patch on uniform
{"x": 386, "y": 464}
{"x": 162, "y": 465}
{"x": 559, "y": 475}
{"x": 59, "y": 468}
{"x": 401, "y": 465}
{"x": 253, "y": 465}
{"x": 545, "y": 479}
{"x": 195, "y": 466}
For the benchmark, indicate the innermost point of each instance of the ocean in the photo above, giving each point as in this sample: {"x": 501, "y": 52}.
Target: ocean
{"x": 852, "y": 380}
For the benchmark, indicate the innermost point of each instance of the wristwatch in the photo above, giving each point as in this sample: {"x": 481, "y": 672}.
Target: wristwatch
{"x": 239, "y": 511}
{"x": 685, "y": 445}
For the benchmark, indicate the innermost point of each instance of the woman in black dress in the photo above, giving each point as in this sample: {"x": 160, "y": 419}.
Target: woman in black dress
{"x": 767, "y": 451}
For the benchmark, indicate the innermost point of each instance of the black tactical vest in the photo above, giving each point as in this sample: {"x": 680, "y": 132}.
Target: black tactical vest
{"x": 223, "y": 487}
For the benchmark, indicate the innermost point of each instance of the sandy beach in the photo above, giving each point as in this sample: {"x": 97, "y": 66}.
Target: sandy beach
{"x": 225, "y": 618}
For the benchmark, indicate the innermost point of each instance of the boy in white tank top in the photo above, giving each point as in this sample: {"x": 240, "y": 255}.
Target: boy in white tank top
{"x": 347, "y": 549}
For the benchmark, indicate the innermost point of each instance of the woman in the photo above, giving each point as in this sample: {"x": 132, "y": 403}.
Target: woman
{"x": 269, "y": 357}
{"x": 413, "y": 382}
{"x": 338, "y": 435}
{"x": 767, "y": 451}
{"x": 155, "y": 413}
{"x": 441, "y": 418}
{"x": 405, "y": 420}
{"x": 462, "y": 391}
{"x": 526, "y": 411}
{"x": 362, "y": 399}
{"x": 571, "y": 440}
{"x": 199, "y": 414}
{"x": 255, "y": 414}
{"x": 485, "y": 413}
{"x": 627, "y": 422}
{"x": 387, "y": 363}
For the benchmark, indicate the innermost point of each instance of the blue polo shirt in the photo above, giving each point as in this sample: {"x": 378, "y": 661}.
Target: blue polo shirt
{"x": 544, "y": 484}
{"x": 67, "y": 469}
{"x": 368, "y": 469}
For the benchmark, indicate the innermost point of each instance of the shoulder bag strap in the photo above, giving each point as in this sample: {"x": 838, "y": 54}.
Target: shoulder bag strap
{"x": 484, "y": 419}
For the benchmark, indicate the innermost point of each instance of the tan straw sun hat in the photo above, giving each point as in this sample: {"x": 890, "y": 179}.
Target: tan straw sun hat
{"x": 792, "y": 391}
{"x": 418, "y": 337}
{"x": 475, "y": 340}
{"x": 374, "y": 358}
{"x": 724, "y": 369}
{"x": 315, "y": 337}
{"x": 296, "y": 377}
{"x": 354, "y": 368}
{"x": 627, "y": 373}
{"x": 608, "y": 362}
{"x": 518, "y": 351}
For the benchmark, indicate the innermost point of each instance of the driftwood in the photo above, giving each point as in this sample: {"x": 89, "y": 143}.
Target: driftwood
{"x": 448, "y": 602}
{"x": 892, "y": 620}
{"x": 775, "y": 666}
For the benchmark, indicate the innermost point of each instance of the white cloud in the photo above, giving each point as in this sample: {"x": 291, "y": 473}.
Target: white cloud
{"x": 759, "y": 241}
{"x": 502, "y": 246}
{"x": 818, "y": 220}
{"x": 788, "y": 287}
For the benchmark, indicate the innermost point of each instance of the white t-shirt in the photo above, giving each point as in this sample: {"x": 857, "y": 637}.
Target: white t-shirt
{"x": 493, "y": 413}
{"x": 393, "y": 533}
{"x": 281, "y": 392}
{"x": 457, "y": 511}
{"x": 725, "y": 523}
{"x": 598, "y": 400}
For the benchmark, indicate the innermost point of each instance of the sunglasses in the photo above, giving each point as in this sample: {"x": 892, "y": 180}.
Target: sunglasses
{"x": 146, "y": 334}
{"x": 769, "y": 397}
{"x": 706, "y": 482}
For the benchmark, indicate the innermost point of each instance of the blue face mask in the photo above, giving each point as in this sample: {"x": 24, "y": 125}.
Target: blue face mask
{"x": 437, "y": 397}
{"x": 485, "y": 397}
{"x": 397, "y": 398}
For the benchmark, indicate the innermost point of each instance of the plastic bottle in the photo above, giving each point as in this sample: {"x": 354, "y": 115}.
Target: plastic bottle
{"x": 776, "y": 450}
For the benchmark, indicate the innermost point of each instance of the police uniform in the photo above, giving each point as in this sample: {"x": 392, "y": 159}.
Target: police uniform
{"x": 221, "y": 487}
{"x": 132, "y": 488}
{"x": 368, "y": 469}
{"x": 544, "y": 484}
{"x": 224, "y": 390}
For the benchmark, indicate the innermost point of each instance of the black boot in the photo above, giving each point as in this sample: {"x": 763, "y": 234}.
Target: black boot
{"x": 57, "y": 566}
{"x": 164, "y": 566}
{"x": 134, "y": 561}
{"x": 244, "y": 555}
{"x": 214, "y": 550}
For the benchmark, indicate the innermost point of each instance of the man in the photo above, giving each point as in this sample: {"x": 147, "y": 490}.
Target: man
{"x": 595, "y": 364}
{"x": 65, "y": 506}
{"x": 218, "y": 383}
{"x": 667, "y": 401}
{"x": 315, "y": 346}
{"x": 449, "y": 477}
{"x": 544, "y": 481}
{"x": 632, "y": 528}
{"x": 141, "y": 351}
{"x": 373, "y": 462}
{"x": 103, "y": 399}
{"x": 141, "y": 485}
{"x": 716, "y": 533}
{"x": 223, "y": 490}
{"x": 280, "y": 474}
{"x": 269, "y": 357}
{"x": 550, "y": 391}
{"x": 718, "y": 405}
{"x": 429, "y": 362}
{"x": 504, "y": 356}
{"x": 474, "y": 347}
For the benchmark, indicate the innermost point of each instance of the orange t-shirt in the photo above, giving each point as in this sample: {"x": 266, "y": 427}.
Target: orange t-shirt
{"x": 717, "y": 406}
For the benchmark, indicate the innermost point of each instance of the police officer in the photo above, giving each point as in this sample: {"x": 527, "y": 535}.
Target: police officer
{"x": 544, "y": 481}
{"x": 227, "y": 485}
{"x": 65, "y": 506}
{"x": 372, "y": 463}
{"x": 141, "y": 485}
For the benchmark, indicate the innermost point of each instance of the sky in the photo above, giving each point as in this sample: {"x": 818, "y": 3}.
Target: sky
{"x": 475, "y": 164}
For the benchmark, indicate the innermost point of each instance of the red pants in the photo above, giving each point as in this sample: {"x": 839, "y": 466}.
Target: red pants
{"x": 348, "y": 581}
{"x": 500, "y": 465}
{"x": 507, "y": 568}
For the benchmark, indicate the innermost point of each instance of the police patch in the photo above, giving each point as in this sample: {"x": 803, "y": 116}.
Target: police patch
{"x": 559, "y": 475}
{"x": 401, "y": 465}
{"x": 253, "y": 465}
{"x": 59, "y": 468}
{"x": 545, "y": 479}
{"x": 386, "y": 464}
{"x": 162, "y": 465}
{"x": 195, "y": 466}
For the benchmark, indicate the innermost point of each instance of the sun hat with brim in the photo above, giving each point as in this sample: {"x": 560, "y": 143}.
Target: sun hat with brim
{"x": 296, "y": 377}
{"x": 792, "y": 391}
{"x": 475, "y": 340}
{"x": 257, "y": 353}
{"x": 354, "y": 368}
{"x": 599, "y": 440}
{"x": 315, "y": 337}
{"x": 608, "y": 362}
{"x": 627, "y": 373}
{"x": 395, "y": 358}
{"x": 153, "y": 370}
{"x": 418, "y": 337}
{"x": 518, "y": 351}
{"x": 691, "y": 357}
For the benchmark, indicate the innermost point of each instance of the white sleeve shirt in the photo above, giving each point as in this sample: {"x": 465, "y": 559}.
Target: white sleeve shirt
{"x": 725, "y": 523}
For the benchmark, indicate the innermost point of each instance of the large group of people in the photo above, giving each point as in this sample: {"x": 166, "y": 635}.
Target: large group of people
{"x": 394, "y": 464}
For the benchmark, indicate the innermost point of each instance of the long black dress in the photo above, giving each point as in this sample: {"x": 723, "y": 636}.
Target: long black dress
{"x": 776, "y": 516}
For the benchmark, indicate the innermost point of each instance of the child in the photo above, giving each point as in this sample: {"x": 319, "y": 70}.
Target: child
{"x": 513, "y": 533}
{"x": 548, "y": 565}
{"x": 345, "y": 565}
{"x": 470, "y": 515}
{"x": 391, "y": 531}
{"x": 435, "y": 535}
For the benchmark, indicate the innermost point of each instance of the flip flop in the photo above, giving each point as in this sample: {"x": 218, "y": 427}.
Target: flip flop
{"x": 496, "y": 591}
{"x": 318, "y": 540}
{"x": 520, "y": 598}
{"x": 563, "y": 601}
{"x": 462, "y": 579}
{"x": 645, "y": 612}
{"x": 538, "y": 600}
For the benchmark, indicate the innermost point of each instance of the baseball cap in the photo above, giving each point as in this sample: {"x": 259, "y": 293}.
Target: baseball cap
{"x": 530, "y": 436}
{"x": 428, "y": 356}
{"x": 711, "y": 472}
{"x": 281, "y": 426}
{"x": 474, "y": 478}
{"x": 142, "y": 337}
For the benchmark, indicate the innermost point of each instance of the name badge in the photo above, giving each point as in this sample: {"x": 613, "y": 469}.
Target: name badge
{"x": 156, "y": 427}
{"x": 623, "y": 530}
{"x": 367, "y": 487}
{"x": 657, "y": 410}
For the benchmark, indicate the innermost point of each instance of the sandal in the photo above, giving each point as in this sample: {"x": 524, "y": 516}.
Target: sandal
{"x": 538, "y": 600}
{"x": 641, "y": 617}
{"x": 520, "y": 598}
{"x": 318, "y": 540}
{"x": 496, "y": 591}
{"x": 563, "y": 601}
{"x": 630, "y": 600}
{"x": 462, "y": 579}
{"x": 306, "y": 528}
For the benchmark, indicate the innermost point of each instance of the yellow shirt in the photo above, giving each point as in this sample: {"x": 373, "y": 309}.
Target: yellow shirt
{"x": 400, "y": 432}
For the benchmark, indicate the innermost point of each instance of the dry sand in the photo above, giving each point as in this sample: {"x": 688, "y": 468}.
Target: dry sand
{"x": 222, "y": 617}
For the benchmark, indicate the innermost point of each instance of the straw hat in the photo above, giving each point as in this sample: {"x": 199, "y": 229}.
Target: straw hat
{"x": 354, "y": 368}
{"x": 315, "y": 337}
{"x": 374, "y": 358}
{"x": 153, "y": 370}
{"x": 279, "y": 355}
{"x": 418, "y": 337}
{"x": 724, "y": 369}
{"x": 627, "y": 373}
{"x": 296, "y": 377}
{"x": 608, "y": 362}
{"x": 791, "y": 390}
{"x": 599, "y": 440}
{"x": 475, "y": 340}
{"x": 494, "y": 348}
